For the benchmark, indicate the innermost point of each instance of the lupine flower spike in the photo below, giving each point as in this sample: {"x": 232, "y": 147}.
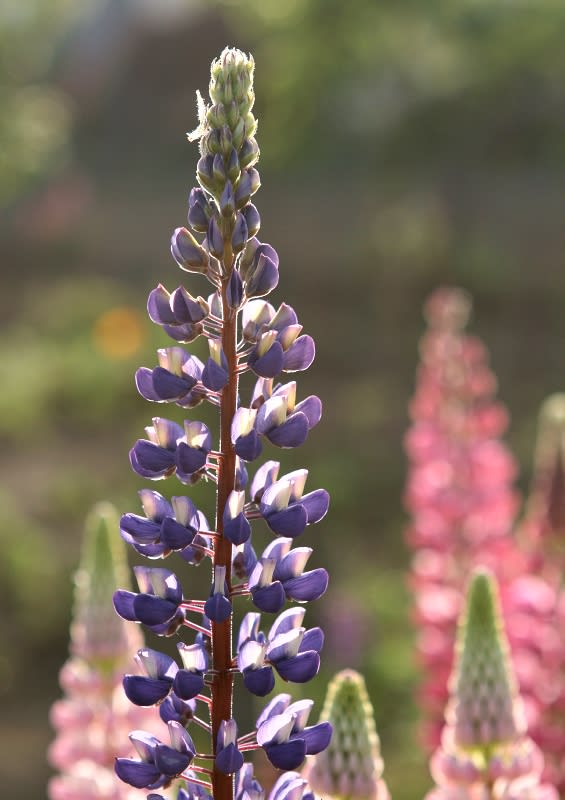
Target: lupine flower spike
{"x": 485, "y": 751}
{"x": 351, "y": 767}
{"x": 534, "y": 601}
{"x": 246, "y": 336}
{"x": 459, "y": 491}
{"x": 92, "y": 720}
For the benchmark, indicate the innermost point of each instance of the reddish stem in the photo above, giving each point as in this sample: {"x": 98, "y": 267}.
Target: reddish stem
{"x": 222, "y": 684}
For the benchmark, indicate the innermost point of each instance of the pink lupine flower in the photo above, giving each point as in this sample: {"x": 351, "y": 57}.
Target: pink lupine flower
{"x": 485, "y": 751}
{"x": 459, "y": 490}
{"x": 93, "y": 720}
{"x": 534, "y": 602}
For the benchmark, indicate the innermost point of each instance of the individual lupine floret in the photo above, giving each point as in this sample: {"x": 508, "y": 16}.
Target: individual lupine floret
{"x": 221, "y": 244}
{"x": 177, "y": 379}
{"x": 289, "y": 648}
{"x": 172, "y": 449}
{"x": 166, "y": 526}
{"x": 485, "y": 749}
{"x": 351, "y": 766}
{"x": 275, "y": 415}
{"x": 92, "y": 720}
{"x": 159, "y": 763}
{"x": 284, "y": 507}
{"x": 283, "y": 734}
{"x": 157, "y": 605}
{"x": 275, "y": 336}
{"x": 279, "y": 575}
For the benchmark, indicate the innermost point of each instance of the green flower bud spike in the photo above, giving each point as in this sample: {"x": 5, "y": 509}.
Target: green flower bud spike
{"x": 352, "y": 766}
{"x": 98, "y": 635}
{"x": 485, "y": 751}
{"x": 485, "y": 710}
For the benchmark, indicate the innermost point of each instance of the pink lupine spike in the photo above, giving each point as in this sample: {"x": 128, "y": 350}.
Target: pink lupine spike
{"x": 459, "y": 490}
{"x": 94, "y": 718}
{"x": 485, "y": 752}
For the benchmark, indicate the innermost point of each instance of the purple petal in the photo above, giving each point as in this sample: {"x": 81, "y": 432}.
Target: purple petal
{"x": 151, "y": 461}
{"x": 170, "y": 762}
{"x": 291, "y": 433}
{"x": 274, "y": 708}
{"x": 183, "y": 333}
{"x": 290, "y": 521}
{"x": 300, "y": 354}
{"x": 265, "y": 476}
{"x": 142, "y": 530}
{"x": 244, "y": 561}
{"x": 300, "y": 668}
{"x": 277, "y": 550}
{"x": 268, "y": 365}
{"x": 145, "y": 691}
{"x": 317, "y": 737}
{"x": 190, "y": 459}
{"x": 214, "y": 377}
{"x": 176, "y": 536}
{"x": 264, "y": 278}
{"x": 229, "y": 760}
{"x": 144, "y": 383}
{"x": 237, "y": 530}
{"x": 123, "y": 603}
{"x": 188, "y": 684}
{"x": 169, "y": 386}
{"x": 235, "y": 290}
{"x": 259, "y": 682}
{"x": 153, "y": 610}
{"x": 185, "y": 307}
{"x": 217, "y": 608}
{"x": 248, "y": 447}
{"x": 313, "y": 640}
{"x": 312, "y": 407}
{"x": 309, "y": 586}
{"x": 269, "y": 598}
{"x": 284, "y": 317}
{"x": 288, "y": 755}
{"x": 154, "y": 505}
{"x": 137, "y": 773}
{"x": 287, "y": 621}
{"x": 159, "y": 308}
{"x": 316, "y": 504}
{"x": 181, "y": 740}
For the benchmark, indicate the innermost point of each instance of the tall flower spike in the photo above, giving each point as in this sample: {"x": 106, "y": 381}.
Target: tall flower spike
{"x": 534, "y": 600}
{"x": 352, "y": 766}
{"x": 247, "y": 339}
{"x": 485, "y": 750}
{"x": 92, "y": 720}
{"x": 459, "y": 490}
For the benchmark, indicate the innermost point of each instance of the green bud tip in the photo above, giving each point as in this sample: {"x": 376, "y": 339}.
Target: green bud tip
{"x": 351, "y": 767}
{"x": 484, "y": 709}
{"x": 97, "y": 633}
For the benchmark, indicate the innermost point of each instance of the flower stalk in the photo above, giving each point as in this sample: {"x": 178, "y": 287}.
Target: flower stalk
{"x": 245, "y": 335}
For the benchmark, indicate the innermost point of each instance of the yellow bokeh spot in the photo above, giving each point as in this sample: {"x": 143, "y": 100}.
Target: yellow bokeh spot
{"x": 118, "y": 333}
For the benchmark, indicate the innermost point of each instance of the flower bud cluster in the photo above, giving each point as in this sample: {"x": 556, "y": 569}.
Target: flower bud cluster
{"x": 485, "y": 751}
{"x": 92, "y": 720}
{"x": 245, "y": 335}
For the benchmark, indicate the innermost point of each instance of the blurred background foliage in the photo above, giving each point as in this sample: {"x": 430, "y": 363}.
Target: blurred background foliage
{"x": 405, "y": 145}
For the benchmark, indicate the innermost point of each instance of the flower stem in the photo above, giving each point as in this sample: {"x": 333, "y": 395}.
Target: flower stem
{"x": 222, "y": 685}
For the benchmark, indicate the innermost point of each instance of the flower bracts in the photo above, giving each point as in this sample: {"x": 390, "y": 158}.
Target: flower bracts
{"x": 246, "y": 335}
{"x": 485, "y": 750}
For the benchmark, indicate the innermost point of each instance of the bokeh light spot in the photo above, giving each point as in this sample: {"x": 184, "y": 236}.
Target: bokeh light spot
{"x": 118, "y": 333}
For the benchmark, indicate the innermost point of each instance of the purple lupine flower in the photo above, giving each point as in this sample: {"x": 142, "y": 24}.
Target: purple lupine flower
{"x": 247, "y": 338}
